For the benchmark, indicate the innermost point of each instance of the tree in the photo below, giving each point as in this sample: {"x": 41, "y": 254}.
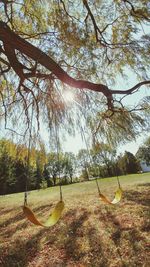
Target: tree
{"x": 104, "y": 155}
{"x": 143, "y": 153}
{"x": 7, "y": 177}
{"x": 128, "y": 163}
{"x": 55, "y": 166}
{"x": 69, "y": 165}
{"x": 46, "y": 176}
{"x": 83, "y": 159}
{"x": 16, "y": 170}
{"x": 47, "y": 47}
{"x": 20, "y": 173}
{"x": 41, "y": 160}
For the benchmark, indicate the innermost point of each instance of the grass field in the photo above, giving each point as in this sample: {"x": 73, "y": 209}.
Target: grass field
{"x": 89, "y": 234}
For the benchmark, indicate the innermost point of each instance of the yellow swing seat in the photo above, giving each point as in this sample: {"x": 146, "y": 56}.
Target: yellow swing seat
{"x": 52, "y": 219}
{"x": 117, "y": 198}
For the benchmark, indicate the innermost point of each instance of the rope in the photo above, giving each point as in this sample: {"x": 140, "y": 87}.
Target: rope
{"x": 91, "y": 161}
{"x": 116, "y": 174}
{"x": 28, "y": 160}
{"x": 58, "y": 158}
{"x": 83, "y": 135}
{"x": 118, "y": 182}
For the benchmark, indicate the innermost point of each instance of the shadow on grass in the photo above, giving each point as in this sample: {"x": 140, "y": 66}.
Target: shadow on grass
{"x": 21, "y": 252}
{"x": 4, "y": 211}
{"x": 124, "y": 230}
{"x": 78, "y": 241}
{"x": 20, "y": 216}
{"x": 75, "y": 231}
{"x": 145, "y": 184}
{"x": 19, "y": 222}
{"x": 138, "y": 197}
{"x": 97, "y": 249}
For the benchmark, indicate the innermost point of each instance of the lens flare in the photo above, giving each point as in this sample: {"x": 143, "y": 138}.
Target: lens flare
{"x": 68, "y": 96}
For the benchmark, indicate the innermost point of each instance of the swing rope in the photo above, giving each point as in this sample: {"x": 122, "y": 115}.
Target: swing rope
{"x": 58, "y": 158}
{"x": 28, "y": 160}
{"x": 89, "y": 155}
{"x": 117, "y": 196}
{"x": 57, "y": 211}
{"x": 118, "y": 193}
{"x": 119, "y": 185}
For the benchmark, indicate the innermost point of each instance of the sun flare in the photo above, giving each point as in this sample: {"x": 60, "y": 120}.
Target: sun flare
{"x": 68, "y": 96}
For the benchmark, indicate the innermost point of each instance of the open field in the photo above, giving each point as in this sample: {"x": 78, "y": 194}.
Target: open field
{"x": 89, "y": 234}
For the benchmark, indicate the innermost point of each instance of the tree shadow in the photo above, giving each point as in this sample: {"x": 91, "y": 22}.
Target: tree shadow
{"x": 145, "y": 184}
{"x": 75, "y": 232}
{"x": 21, "y": 252}
{"x": 20, "y": 216}
{"x": 4, "y": 211}
{"x": 132, "y": 234}
{"x": 12, "y": 220}
{"x": 97, "y": 255}
{"x": 19, "y": 222}
{"x": 65, "y": 244}
{"x": 126, "y": 232}
{"x": 138, "y": 197}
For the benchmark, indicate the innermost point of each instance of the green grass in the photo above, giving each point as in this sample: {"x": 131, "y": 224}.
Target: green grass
{"x": 89, "y": 234}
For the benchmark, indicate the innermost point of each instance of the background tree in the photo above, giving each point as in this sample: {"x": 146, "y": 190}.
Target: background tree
{"x": 46, "y": 176}
{"x": 83, "y": 159}
{"x": 69, "y": 165}
{"x": 41, "y": 159}
{"x": 7, "y": 175}
{"x": 104, "y": 155}
{"x": 20, "y": 173}
{"x": 7, "y": 179}
{"x": 55, "y": 166}
{"x": 16, "y": 171}
{"x": 143, "y": 153}
{"x": 128, "y": 163}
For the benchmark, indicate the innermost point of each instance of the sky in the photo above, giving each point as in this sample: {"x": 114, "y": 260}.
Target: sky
{"x": 74, "y": 144}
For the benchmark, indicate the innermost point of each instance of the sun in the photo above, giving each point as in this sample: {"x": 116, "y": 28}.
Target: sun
{"x": 68, "y": 96}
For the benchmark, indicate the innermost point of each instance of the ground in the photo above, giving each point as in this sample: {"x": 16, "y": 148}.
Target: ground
{"x": 89, "y": 234}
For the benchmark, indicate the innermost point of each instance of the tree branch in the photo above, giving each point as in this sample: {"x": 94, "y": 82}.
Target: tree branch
{"x": 11, "y": 39}
{"x": 131, "y": 90}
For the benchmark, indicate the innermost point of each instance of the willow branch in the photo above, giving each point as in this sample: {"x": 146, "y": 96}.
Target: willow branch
{"x": 10, "y": 38}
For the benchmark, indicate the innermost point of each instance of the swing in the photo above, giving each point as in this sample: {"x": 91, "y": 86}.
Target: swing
{"x": 117, "y": 197}
{"x": 52, "y": 219}
{"x": 56, "y": 213}
{"x": 118, "y": 193}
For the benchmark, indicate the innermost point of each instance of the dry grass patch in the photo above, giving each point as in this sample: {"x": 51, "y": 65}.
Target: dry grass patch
{"x": 90, "y": 233}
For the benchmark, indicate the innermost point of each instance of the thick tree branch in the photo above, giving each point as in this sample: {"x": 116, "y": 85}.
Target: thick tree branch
{"x": 11, "y": 39}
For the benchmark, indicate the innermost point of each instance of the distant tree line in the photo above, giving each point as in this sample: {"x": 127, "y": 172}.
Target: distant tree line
{"x": 48, "y": 169}
{"x": 40, "y": 170}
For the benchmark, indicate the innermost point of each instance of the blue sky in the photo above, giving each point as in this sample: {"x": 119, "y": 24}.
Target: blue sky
{"x": 74, "y": 144}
